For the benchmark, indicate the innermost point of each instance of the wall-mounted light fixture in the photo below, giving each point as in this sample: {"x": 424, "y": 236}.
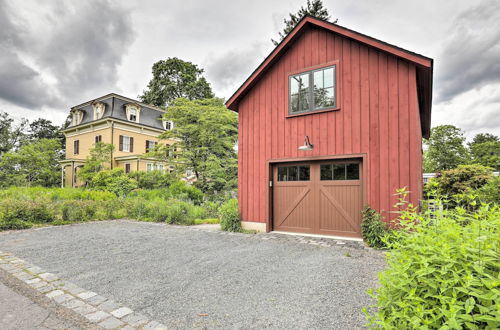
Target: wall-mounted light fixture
{"x": 307, "y": 145}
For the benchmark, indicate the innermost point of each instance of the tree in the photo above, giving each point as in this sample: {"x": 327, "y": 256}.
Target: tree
{"x": 486, "y": 154}
{"x": 34, "y": 164}
{"x": 43, "y": 129}
{"x": 11, "y": 135}
{"x": 174, "y": 78}
{"x": 445, "y": 149}
{"x": 484, "y": 137}
{"x": 206, "y": 133}
{"x": 313, "y": 8}
{"x": 99, "y": 158}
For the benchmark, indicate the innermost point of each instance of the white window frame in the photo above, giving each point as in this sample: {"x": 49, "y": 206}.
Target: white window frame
{"x": 129, "y": 108}
{"x": 99, "y": 109}
{"x": 149, "y": 167}
{"x": 168, "y": 125}
{"x": 126, "y": 145}
{"x": 76, "y": 117}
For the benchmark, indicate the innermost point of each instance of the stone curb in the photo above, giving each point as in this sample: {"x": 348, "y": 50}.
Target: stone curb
{"x": 96, "y": 309}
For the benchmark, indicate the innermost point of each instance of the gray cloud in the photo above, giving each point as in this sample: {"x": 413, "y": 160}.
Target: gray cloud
{"x": 470, "y": 56}
{"x": 19, "y": 83}
{"x": 75, "y": 58}
{"x": 233, "y": 67}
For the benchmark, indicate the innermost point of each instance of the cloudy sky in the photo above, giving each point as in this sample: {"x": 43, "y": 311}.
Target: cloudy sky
{"x": 57, "y": 54}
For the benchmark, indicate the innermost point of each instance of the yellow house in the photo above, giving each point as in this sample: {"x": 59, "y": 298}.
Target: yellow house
{"x": 131, "y": 126}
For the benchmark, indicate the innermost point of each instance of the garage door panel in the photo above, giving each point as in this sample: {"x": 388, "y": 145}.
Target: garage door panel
{"x": 339, "y": 208}
{"x": 293, "y": 205}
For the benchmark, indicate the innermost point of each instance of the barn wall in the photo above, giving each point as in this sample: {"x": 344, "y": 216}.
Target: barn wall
{"x": 378, "y": 116}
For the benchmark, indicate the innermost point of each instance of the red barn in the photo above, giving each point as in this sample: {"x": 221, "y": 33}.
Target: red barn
{"x": 332, "y": 120}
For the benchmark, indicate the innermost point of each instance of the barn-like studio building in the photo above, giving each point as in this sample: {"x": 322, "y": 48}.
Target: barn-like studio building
{"x": 332, "y": 120}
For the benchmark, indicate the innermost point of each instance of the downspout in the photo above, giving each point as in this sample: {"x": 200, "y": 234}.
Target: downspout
{"x": 73, "y": 174}
{"x": 62, "y": 176}
{"x": 138, "y": 164}
{"x": 112, "y": 129}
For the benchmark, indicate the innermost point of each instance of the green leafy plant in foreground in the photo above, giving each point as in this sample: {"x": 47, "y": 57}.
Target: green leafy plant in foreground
{"x": 443, "y": 272}
{"x": 373, "y": 228}
{"x": 230, "y": 216}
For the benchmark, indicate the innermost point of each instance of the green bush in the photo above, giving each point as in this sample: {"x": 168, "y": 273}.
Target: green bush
{"x": 442, "y": 272}
{"x": 462, "y": 180}
{"x": 12, "y": 210}
{"x": 229, "y": 214}
{"x": 152, "y": 179}
{"x": 373, "y": 228}
{"x": 184, "y": 191}
{"x": 79, "y": 210}
{"x": 14, "y": 225}
{"x": 490, "y": 192}
{"x": 114, "y": 180}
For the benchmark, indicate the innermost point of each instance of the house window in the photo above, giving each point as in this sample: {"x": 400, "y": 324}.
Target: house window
{"x": 150, "y": 145}
{"x": 349, "y": 171}
{"x": 294, "y": 173}
{"x": 149, "y": 167}
{"x": 127, "y": 168}
{"x": 133, "y": 111}
{"x": 98, "y": 108}
{"x": 159, "y": 167}
{"x": 168, "y": 125}
{"x": 76, "y": 147}
{"x": 76, "y": 117}
{"x": 98, "y": 138}
{"x": 312, "y": 91}
{"x": 126, "y": 143}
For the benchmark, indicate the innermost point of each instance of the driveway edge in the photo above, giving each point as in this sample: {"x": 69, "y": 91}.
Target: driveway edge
{"x": 95, "y": 308}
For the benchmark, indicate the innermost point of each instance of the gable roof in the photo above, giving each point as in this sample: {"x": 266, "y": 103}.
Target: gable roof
{"x": 423, "y": 64}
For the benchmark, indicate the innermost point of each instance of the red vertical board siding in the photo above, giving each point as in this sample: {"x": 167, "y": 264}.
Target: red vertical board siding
{"x": 378, "y": 116}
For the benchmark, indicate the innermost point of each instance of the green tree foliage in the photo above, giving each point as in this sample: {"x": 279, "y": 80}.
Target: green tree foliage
{"x": 229, "y": 214}
{"x": 206, "y": 133}
{"x": 313, "y": 8}
{"x": 485, "y": 150}
{"x": 445, "y": 149}
{"x": 174, "y": 78}
{"x": 99, "y": 158}
{"x": 152, "y": 179}
{"x": 34, "y": 164}
{"x": 11, "y": 135}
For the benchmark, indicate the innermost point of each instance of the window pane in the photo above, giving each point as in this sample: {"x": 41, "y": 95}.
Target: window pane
{"x": 281, "y": 173}
{"x": 304, "y": 173}
{"x": 326, "y": 172}
{"x": 294, "y": 100}
{"x": 329, "y": 75}
{"x": 293, "y": 174}
{"x": 338, "y": 171}
{"x": 318, "y": 79}
{"x": 320, "y": 98}
{"x": 294, "y": 84}
{"x": 329, "y": 99}
{"x": 304, "y": 102}
{"x": 304, "y": 81}
{"x": 352, "y": 171}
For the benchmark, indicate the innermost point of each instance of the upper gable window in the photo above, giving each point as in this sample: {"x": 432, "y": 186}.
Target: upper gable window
{"x": 98, "y": 108}
{"x": 168, "y": 125}
{"x": 76, "y": 117}
{"x": 133, "y": 112}
{"x": 312, "y": 90}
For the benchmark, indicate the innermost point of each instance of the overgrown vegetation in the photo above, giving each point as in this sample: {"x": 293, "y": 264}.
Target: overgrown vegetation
{"x": 180, "y": 203}
{"x": 442, "y": 271}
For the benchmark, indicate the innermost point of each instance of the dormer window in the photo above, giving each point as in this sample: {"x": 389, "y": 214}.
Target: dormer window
{"x": 168, "y": 125}
{"x": 99, "y": 109}
{"x": 76, "y": 117}
{"x": 133, "y": 112}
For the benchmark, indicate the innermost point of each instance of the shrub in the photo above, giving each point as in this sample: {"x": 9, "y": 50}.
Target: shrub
{"x": 441, "y": 273}
{"x": 25, "y": 211}
{"x": 136, "y": 208}
{"x": 373, "y": 228}
{"x": 462, "y": 180}
{"x": 182, "y": 190}
{"x": 114, "y": 180}
{"x": 211, "y": 209}
{"x": 152, "y": 179}
{"x": 490, "y": 192}
{"x": 14, "y": 224}
{"x": 79, "y": 210}
{"x": 229, "y": 214}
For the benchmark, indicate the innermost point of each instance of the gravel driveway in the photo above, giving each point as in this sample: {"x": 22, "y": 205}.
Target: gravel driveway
{"x": 189, "y": 278}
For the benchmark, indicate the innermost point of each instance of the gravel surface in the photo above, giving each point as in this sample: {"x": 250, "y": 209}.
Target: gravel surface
{"x": 187, "y": 278}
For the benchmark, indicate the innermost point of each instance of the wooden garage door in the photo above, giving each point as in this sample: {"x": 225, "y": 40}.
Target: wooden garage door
{"x": 318, "y": 198}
